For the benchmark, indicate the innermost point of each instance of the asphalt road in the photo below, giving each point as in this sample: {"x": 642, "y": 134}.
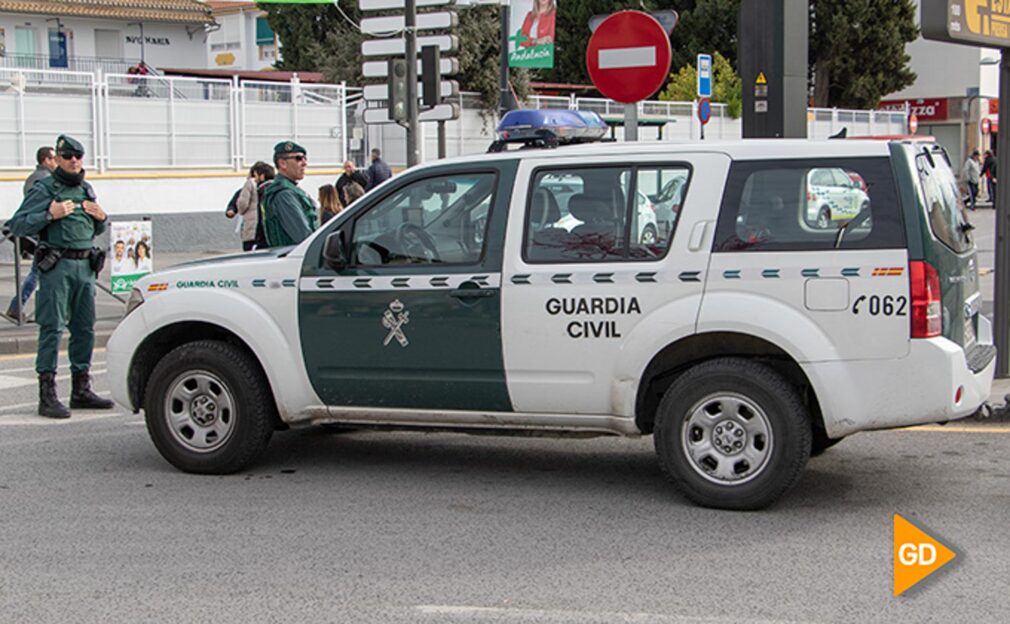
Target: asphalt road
{"x": 398, "y": 527}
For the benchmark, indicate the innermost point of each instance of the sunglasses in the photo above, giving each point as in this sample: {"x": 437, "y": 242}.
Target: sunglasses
{"x": 71, "y": 156}
{"x": 296, "y": 158}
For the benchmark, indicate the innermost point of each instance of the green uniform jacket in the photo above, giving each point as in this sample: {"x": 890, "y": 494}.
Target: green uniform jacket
{"x": 289, "y": 216}
{"x": 75, "y": 231}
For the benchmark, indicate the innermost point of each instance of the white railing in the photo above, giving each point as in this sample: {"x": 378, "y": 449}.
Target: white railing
{"x": 128, "y": 121}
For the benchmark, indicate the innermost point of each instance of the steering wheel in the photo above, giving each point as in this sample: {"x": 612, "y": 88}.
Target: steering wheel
{"x": 416, "y": 243}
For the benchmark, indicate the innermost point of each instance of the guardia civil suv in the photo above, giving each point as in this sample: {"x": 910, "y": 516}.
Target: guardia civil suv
{"x": 746, "y": 337}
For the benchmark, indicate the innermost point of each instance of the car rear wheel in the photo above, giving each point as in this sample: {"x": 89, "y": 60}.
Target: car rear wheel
{"x": 208, "y": 408}
{"x": 824, "y": 219}
{"x": 732, "y": 434}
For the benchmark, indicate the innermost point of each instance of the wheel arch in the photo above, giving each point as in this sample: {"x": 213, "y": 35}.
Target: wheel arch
{"x": 163, "y": 340}
{"x": 677, "y": 357}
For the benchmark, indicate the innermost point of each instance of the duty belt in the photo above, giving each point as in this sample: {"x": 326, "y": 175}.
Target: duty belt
{"x": 75, "y": 254}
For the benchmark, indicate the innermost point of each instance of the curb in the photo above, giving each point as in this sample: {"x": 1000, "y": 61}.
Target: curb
{"x": 18, "y": 345}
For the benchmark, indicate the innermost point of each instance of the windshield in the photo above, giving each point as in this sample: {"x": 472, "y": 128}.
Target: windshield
{"x": 944, "y": 207}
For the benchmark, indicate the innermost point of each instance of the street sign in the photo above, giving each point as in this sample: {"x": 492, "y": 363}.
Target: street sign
{"x": 447, "y": 88}
{"x": 667, "y": 19}
{"x": 379, "y": 69}
{"x": 395, "y": 23}
{"x": 704, "y": 110}
{"x": 913, "y": 123}
{"x": 442, "y": 112}
{"x": 383, "y": 5}
{"x": 628, "y": 56}
{"x": 980, "y": 22}
{"x": 398, "y": 47}
{"x": 704, "y": 75}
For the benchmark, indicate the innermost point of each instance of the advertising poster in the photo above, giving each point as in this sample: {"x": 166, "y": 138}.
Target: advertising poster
{"x": 531, "y": 23}
{"x": 129, "y": 253}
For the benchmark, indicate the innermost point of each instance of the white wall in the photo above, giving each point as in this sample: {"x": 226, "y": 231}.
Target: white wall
{"x": 167, "y": 45}
{"x": 159, "y": 196}
{"x": 237, "y": 36}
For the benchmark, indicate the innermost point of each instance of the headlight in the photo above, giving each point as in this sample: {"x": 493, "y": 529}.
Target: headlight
{"x": 136, "y": 298}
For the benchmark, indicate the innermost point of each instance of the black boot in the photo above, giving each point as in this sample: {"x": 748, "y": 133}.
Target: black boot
{"x": 49, "y": 403}
{"x": 82, "y": 397}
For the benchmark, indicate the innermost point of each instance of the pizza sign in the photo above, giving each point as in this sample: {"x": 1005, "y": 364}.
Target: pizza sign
{"x": 925, "y": 110}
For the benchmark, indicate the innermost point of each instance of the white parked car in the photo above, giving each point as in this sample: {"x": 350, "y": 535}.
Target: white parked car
{"x": 834, "y": 195}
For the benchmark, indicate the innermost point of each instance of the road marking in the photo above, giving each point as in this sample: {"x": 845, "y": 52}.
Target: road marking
{"x": 466, "y": 613}
{"x": 959, "y": 429}
{"x": 8, "y": 382}
{"x": 31, "y": 369}
{"x": 20, "y": 421}
{"x": 626, "y": 58}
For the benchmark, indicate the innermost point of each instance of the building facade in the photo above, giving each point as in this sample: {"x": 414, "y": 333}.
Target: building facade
{"x": 103, "y": 34}
{"x": 243, "y": 41}
{"x": 955, "y": 96}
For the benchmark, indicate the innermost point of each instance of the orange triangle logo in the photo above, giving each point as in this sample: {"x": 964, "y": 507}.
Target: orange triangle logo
{"x": 916, "y": 555}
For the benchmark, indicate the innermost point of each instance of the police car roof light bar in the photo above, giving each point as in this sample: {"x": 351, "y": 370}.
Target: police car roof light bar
{"x": 548, "y": 128}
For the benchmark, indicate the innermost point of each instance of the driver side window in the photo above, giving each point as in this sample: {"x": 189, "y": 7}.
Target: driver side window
{"x": 441, "y": 220}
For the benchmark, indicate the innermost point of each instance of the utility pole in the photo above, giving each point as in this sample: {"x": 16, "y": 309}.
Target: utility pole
{"x": 505, "y": 103}
{"x": 410, "y": 39}
{"x": 1001, "y": 206}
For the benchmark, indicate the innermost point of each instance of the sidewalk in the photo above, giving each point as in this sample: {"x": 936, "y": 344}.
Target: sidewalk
{"x": 108, "y": 310}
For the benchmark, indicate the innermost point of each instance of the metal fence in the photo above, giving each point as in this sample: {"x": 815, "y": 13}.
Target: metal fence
{"x": 129, "y": 121}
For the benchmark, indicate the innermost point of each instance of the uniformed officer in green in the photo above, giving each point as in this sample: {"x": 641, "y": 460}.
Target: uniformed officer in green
{"x": 61, "y": 210}
{"x": 289, "y": 215}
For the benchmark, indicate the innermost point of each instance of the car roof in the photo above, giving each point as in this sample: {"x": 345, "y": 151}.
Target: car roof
{"x": 749, "y": 149}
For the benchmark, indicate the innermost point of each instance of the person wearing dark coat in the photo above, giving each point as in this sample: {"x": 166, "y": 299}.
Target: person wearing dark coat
{"x": 378, "y": 171}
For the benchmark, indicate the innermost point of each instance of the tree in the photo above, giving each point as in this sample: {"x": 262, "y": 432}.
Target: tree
{"x": 705, "y": 27}
{"x": 726, "y": 88}
{"x": 321, "y": 38}
{"x": 857, "y": 50}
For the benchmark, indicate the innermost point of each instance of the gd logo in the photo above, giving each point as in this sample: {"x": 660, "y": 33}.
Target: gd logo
{"x": 916, "y": 555}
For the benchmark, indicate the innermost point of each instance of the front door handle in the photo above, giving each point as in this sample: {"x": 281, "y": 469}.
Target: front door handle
{"x": 472, "y": 290}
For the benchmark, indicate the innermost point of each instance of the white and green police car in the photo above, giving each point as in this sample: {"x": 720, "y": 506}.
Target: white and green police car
{"x": 746, "y": 338}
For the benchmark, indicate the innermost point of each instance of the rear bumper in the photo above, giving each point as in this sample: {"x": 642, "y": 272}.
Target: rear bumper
{"x": 919, "y": 389}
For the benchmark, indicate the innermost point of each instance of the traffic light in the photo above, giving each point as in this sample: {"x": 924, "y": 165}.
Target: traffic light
{"x": 398, "y": 90}
{"x": 431, "y": 76}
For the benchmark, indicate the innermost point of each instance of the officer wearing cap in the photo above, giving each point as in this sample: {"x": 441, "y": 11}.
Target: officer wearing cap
{"x": 61, "y": 210}
{"x": 289, "y": 215}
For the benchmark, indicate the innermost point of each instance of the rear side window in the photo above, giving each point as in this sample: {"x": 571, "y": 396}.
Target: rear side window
{"x": 944, "y": 207}
{"x": 809, "y": 205}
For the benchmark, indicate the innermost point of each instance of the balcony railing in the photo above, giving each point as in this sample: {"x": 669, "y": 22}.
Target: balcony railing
{"x": 74, "y": 63}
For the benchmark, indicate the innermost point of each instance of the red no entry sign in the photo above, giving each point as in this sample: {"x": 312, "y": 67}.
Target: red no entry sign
{"x": 629, "y": 56}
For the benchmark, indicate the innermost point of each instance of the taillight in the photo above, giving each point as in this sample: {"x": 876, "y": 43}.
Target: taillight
{"x": 811, "y": 197}
{"x": 927, "y": 311}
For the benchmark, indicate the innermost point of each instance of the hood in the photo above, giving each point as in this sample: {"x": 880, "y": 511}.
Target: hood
{"x": 249, "y": 256}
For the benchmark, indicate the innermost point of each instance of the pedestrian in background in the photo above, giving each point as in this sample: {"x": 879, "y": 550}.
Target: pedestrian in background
{"x": 45, "y": 159}
{"x": 971, "y": 174}
{"x": 989, "y": 171}
{"x": 329, "y": 207}
{"x": 354, "y": 193}
{"x": 289, "y": 213}
{"x": 62, "y": 210}
{"x": 247, "y": 203}
{"x": 378, "y": 171}
{"x": 350, "y": 176}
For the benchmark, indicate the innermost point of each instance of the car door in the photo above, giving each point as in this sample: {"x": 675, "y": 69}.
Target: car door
{"x": 413, "y": 320}
{"x": 581, "y": 301}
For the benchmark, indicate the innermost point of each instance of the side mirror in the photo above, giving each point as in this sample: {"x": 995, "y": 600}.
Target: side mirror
{"x": 335, "y": 251}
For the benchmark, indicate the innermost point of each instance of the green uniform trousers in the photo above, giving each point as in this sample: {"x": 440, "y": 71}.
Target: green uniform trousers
{"x": 66, "y": 298}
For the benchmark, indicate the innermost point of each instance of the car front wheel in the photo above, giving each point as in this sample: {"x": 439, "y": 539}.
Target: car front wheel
{"x": 208, "y": 408}
{"x": 732, "y": 434}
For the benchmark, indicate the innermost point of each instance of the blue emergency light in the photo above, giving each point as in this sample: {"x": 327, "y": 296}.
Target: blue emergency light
{"x": 549, "y": 128}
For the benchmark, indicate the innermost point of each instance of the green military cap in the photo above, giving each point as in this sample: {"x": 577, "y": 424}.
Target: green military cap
{"x": 69, "y": 144}
{"x": 288, "y": 147}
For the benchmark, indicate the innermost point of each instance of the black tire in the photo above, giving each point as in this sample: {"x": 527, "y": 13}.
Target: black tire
{"x": 820, "y": 442}
{"x": 779, "y": 411}
{"x": 824, "y": 218}
{"x": 249, "y": 415}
